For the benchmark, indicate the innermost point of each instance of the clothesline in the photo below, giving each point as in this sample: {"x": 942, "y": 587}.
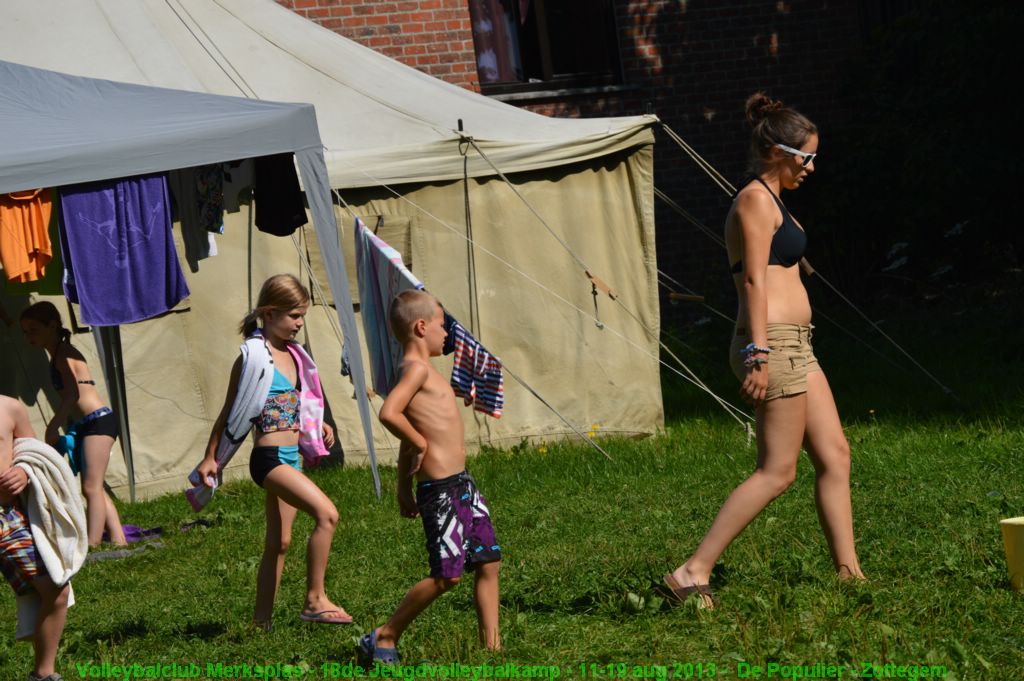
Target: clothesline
{"x": 514, "y": 375}
{"x": 332, "y": 321}
{"x": 526, "y": 276}
{"x": 598, "y": 284}
{"x": 476, "y": 373}
{"x": 729, "y": 189}
{"x": 717, "y": 239}
{"x": 524, "y": 384}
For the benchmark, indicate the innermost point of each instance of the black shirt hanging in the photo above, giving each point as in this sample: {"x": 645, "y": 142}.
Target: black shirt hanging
{"x": 280, "y": 208}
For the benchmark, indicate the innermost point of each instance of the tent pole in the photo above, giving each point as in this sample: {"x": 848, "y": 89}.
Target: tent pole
{"x": 110, "y": 337}
{"x": 248, "y": 270}
{"x": 316, "y": 182}
{"x": 474, "y": 305}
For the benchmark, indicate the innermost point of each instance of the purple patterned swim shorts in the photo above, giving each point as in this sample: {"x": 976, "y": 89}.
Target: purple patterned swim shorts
{"x": 460, "y": 536}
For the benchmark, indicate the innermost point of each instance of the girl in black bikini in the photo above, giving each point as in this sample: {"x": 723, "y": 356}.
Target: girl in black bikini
{"x": 97, "y": 424}
{"x": 772, "y": 357}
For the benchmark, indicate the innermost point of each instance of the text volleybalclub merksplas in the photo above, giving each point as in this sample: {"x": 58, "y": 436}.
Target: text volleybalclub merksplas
{"x": 329, "y": 670}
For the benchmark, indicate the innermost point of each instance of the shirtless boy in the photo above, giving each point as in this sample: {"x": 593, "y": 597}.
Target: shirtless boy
{"x": 422, "y": 412}
{"x": 19, "y": 560}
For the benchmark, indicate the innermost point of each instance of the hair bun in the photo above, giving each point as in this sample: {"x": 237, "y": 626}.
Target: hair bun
{"x": 760, "y": 106}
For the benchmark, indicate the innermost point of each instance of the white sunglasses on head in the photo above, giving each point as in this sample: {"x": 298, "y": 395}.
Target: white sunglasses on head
{"x": 807, "y": 156}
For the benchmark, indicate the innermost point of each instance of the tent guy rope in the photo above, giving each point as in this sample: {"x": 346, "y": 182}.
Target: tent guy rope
{"x": 251, "y": 92}
{"x": 599, "y": 284}
{"x": 804, "y": 264}
{"x": 515, "y": 376}
{"x": 729, "y": 189}
{"x": 526, "y": 276}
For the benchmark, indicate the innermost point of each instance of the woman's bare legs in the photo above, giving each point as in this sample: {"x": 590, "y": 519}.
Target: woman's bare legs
{"x": 298, "y": 491}
{"x": 830, "y": 454}
{"x": 780, "y": 430}
{"x": 101, "y": 510}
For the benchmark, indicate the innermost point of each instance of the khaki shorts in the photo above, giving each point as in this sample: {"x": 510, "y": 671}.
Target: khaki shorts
{"x": 791, "y": 358}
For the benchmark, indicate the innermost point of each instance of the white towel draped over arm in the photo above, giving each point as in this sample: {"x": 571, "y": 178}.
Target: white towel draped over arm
{"x": 253, "y": 387}
{"x": 54, "y": 508}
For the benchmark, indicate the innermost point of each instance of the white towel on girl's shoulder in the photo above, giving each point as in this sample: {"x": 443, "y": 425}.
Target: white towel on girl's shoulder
{"x": 54, "y": 509}
{"x": 254, "y": 380}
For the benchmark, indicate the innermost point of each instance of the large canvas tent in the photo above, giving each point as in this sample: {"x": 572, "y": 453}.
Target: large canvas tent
{"x": 394, "y": 155}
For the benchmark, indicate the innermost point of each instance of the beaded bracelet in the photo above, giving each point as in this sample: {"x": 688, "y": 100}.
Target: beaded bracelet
{"x": 752, "y": 349}
{"x": 751, "y": 361}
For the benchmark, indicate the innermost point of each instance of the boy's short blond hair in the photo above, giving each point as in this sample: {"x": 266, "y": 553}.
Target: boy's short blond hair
{"x": 407, "y": 308}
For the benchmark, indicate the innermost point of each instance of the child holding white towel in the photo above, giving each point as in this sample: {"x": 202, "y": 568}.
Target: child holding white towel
{"x": 19, "y": 558}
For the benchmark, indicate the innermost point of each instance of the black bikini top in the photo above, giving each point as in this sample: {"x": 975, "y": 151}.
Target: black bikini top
{"x": 58, "y": 382}
{"x": 788, "y": 243}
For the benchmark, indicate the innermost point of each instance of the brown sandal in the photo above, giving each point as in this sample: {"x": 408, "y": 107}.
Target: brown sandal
{"x": 682, "y": 593}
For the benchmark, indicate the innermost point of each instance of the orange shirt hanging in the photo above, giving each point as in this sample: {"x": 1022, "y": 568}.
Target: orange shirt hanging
{"x": 24, "y": 240}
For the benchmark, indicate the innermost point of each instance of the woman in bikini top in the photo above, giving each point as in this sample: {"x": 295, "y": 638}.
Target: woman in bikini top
{"x": 788, "y": 242}
{"x": 95, "y": 425}
{"x": 765, "y": 244}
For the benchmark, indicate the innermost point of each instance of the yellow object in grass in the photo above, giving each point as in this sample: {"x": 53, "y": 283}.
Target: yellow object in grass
{"x": 1013, "y": 541}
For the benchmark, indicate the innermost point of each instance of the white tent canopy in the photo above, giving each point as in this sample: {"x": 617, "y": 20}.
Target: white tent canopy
{"x": 57, "y": 129}
{"x": 380, "y": 120}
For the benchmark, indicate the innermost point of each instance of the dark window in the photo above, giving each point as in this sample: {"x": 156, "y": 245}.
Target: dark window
{"x": 880, "y": 14}
{"x": 531, "y": 44}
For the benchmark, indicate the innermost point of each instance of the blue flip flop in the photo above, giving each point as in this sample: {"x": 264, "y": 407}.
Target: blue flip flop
{"x": 372, "y": 652}
{"x": 326, "y": 617}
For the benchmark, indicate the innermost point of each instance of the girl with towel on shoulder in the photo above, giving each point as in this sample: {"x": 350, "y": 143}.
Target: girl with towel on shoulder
{"x": 274, "y": 385}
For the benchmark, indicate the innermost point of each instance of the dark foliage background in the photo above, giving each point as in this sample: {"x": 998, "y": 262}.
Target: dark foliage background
{"x": 913, "y": 197}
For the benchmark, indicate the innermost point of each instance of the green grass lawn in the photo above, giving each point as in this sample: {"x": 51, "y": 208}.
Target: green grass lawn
{"x": 586, "y": 542}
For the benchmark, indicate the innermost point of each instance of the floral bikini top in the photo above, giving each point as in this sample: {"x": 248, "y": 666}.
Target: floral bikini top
{"x": 281, "y": 410}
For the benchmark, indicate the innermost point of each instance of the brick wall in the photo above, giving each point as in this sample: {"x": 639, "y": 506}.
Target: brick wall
{"x": 692, "y": 62}
{"x": 433, "y": 36}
